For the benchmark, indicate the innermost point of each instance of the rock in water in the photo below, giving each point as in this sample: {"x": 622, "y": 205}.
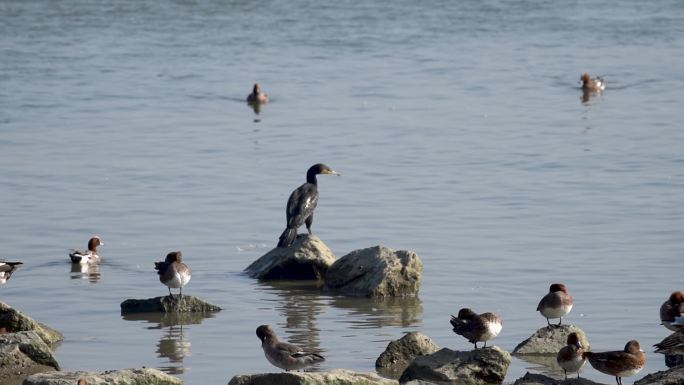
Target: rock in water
{"x": 337, "y": 377}
{"x": 549, "y": 340}
{"x": 24, "y": 353}
{"x": 13, "y": 320}
{"x": 308, "y": 258}
{"x": 674, "y": 376}
{"x": 144, "y": 376}
{"x": 376, "y": 272}
{"x": 485, "y": 366}
{"x": 165, "y": 304}
{"x": 540, "y": 379}
{"x": 401, "y": 352}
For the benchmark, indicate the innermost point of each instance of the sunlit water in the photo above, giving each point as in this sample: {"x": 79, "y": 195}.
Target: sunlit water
{"x": 459, "y": 130}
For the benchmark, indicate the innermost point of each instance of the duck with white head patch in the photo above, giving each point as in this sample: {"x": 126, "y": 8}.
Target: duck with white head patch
{"x": 87, "y": 256}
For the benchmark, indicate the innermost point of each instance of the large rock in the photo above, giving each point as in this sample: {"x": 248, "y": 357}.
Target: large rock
{"x": 401, "y": 352}
{"x": 674, "y": 376}
{"x": 549, "y": 340}
{"x": 24, "y": 353}
{"x": 376, "y": 272}
{"x": 307, "y": 258}
{"x": 143, "y": 376}
{"x": 540, "y": 379}
{"x": 165, "y": 304}
{"x": 12, "y": 321}
{"x": 334, "y": 377}
{"x": 485, "y": 366}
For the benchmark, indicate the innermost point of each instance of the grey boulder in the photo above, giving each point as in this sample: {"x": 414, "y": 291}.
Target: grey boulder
{"x": 476, "y": 367}
{"x": 165, "y": 304}
{"x": 549, "y": 340}
{"x": 308, "y": 258}
{"x": 142, "y": 376}
{"x": 540, "y": 379}
{"x": 674, "y": 376}
{"x": 376, "y": 272}
{"x": 401, "y": 352}
{"x": 336, "y": 377}
{"x": 24, "y": 353}
{"x": 12, "y": 321}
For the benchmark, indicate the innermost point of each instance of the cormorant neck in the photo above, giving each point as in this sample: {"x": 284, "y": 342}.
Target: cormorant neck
{"x": 311, "y": 177}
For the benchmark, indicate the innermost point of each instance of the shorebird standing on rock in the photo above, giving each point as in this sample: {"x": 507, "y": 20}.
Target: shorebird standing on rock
{"x": 173, "y": 272}
{"x": 476, "y": 327}
{"x": 556, "y": 304}
{"x": 571, "y": 356}
{"x": 619, "y": 363}
{"x": 284, "y": 354}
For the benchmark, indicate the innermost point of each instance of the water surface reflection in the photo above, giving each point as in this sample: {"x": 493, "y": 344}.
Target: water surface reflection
{"x": 91, "y": 272}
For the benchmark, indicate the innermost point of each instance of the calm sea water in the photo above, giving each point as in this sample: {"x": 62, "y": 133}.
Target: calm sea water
{"x": 459, "y": 130}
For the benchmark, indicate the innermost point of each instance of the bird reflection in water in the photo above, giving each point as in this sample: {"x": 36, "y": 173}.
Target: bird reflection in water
{"x": 90, "y": 271}
{"x": 174, "y": 344}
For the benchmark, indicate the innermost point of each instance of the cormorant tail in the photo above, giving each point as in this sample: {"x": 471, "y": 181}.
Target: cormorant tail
{"x": 287, "y": 237}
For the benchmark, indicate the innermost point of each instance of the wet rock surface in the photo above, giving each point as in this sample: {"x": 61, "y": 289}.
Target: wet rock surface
{"x": 12, "y": 321}
{"x": 540, "y": 379}
{"x": 308, "y": 258}
{"x": 376, "y": 272}
{"x": 333, "y": 377}
{"x": 549, "y": 340}
{"x": 400, "y": 353}
{"x": 143, "y": 376}
{"x": 166, "y": 304}
{"x": 22, "y": 354}
{"x": 475, "y": 367}
{"x": 674, "y": 376}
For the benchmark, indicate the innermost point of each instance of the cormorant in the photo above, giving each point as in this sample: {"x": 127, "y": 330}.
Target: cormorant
{"x": 302, "y": 203}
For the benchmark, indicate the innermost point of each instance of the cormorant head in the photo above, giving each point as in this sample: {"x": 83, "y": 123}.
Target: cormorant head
{"x": 319, "y": 168}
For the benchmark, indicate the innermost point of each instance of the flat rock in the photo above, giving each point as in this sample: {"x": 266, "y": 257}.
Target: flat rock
{"x": 483, "y": 366}
{"x": 333, "y": 377}
{"x": 549, "y": 340}
{"x": 12, "y": 321}
{"x": 376, "y": 272}
{"x": 22, "y": 354}
{"x": 142, "y": 376}
{"x": 401, "y": 352}
{"x": 308, "y": 258}
{"x": 165, "y": 304}
{"x": 674, "y": 376}
{"x": 540, "y": 379}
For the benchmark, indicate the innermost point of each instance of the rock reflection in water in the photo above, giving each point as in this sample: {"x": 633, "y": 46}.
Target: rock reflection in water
{"x": 91, "y": 272}
{"x": 544, "y": 364}
{"x": 174, "y": 343}
{"x": 377, "y": 312}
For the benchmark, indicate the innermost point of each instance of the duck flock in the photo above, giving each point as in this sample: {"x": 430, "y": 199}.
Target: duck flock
{"x": 174, "y": 273}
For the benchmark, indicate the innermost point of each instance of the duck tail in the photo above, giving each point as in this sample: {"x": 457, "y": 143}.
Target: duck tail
{"x": 287, "y": 237}
{"x": 75, "y": 257}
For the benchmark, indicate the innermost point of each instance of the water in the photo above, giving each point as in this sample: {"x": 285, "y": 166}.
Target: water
{"x": 459, "y": 129}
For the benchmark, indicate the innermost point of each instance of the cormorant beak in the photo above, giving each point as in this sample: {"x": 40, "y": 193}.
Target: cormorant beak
{"x": 332, "y": 172}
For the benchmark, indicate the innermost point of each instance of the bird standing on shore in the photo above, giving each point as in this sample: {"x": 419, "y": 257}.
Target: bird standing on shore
{"x": 6, "y": 270}
{"x": 571, "y": 356}
{"x": 173, "y": 272}
{"x": 302, "y": 203}
{"x": 556, "y": 304}
{"x": 672, "y": 309}
{"x": 672, "y": 344}
{"x": 476, "y": 327}
{"x": 284, "y": 354}
{"x": 619, "y": 363}
{"x": 87, "y": 256}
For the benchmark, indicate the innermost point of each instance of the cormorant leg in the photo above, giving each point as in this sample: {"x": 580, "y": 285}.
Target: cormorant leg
{"x": 548, "y": 323}
{"x": 308, "y": 222}
{"x": 560, "y": 320}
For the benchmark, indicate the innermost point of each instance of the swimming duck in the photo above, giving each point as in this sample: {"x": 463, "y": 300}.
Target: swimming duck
{"x": 592, "y": 84}
{"x": 257, "y": 97}
{"x": 476, "y": 327}
{"x": 6, "y": 270}
{"x": 284, "y": 354}
{"x": 87, "y": 256}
